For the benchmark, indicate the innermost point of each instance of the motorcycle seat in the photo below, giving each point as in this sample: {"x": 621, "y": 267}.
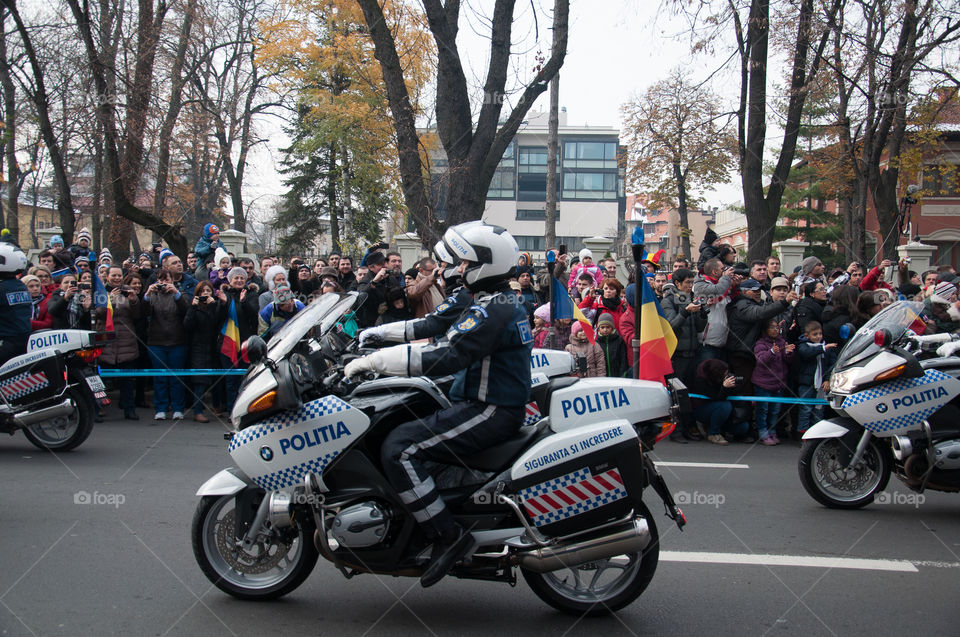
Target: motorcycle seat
{"x": 541, "y": 394}
{"x": 495, "y": 458}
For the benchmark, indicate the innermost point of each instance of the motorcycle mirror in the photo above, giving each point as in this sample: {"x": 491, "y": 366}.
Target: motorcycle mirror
{"x": 254, "y": 349}
{"x": 847, "y": 330}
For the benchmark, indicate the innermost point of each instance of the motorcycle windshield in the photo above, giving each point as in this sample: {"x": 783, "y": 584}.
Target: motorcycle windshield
{"x": 322, "y": 314}
{"x": 896, "y": 319}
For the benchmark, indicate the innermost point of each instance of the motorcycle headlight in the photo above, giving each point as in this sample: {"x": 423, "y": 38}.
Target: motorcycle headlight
{"x": 842, "y": 382}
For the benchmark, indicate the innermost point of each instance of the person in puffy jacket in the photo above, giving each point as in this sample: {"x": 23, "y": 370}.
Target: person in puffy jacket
{"x": 609, "y": 301}
{"x": 207, "y": 245}
{"x": 687, "y": 318}
{"x": 613, "y": 348}
{"x": 816, "y": 360}
{"x": 586, "y": 265}
{"x": 589, "y": 355}
{"x": 773, "y": 355}
{"x": 218, "y": 275}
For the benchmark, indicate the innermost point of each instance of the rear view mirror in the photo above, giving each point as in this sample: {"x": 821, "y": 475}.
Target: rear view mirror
{"x": 254, "y": 350}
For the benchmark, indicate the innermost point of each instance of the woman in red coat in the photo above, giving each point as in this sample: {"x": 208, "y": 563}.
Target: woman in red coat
{"x": 40, "y": 319}
{"x": 609, "y": 301}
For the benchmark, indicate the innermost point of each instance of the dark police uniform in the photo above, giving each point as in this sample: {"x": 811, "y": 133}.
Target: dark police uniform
{"x": 442, "y": 318}
{"x": 488, "y": 350}
{"x": 15, "y": 311}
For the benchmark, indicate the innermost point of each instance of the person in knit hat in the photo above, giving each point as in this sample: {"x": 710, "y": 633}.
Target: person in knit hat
{"x": 811, "y": 270}
{"x": 105, "y": 256}
{"x": 708, "y": 248}
{"x": 274, "y": 276}
{"x": 82, "y": 247}
{"x": 207, "y": 244}
{"x": 276, "y": 313}
{"x": 221, "y": 274}
{"x": 943, "y": 307}
{"x": 613, "y": 348}
{"x": 586, "y": 265}
{"x": 56, "y": 241}
{"x": 590, "y": 361}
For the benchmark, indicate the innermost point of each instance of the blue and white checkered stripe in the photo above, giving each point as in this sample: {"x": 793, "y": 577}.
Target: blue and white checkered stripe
{"x": 550, "y": 486}
{"x": 580, "y": 507}
{"x": 293, "y": 475}
{"x": 309, "y": 411}
{"x": 908, "y": 419}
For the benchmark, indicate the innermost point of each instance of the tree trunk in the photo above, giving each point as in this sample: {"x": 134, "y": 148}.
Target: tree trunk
{"x": 11, "y": 207}
{"x": 553, "y": 145}
{"x": 332, "y": 199}
{"x": 681, "y": 178}
{"x": 40, "y": 100}
{"x": 173, "y": 110}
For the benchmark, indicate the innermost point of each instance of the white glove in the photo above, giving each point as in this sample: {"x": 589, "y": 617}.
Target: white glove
{"x": 392, "y": 361}
{"x": 371, "y": 333}
{"x": 948, "y": 349}
{"x": 393, "y": 332}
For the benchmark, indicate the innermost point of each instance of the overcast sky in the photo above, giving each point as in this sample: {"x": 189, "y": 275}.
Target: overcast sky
{"x": 616, "y": 49}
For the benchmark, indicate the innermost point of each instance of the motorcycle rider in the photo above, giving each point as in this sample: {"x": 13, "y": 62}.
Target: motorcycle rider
{"x": 15, "y": 303}
{"x": 488, "y": 349}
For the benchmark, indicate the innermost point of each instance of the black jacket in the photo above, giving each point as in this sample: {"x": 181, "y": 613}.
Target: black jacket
{"x": 615, "y": 354}
{"x": 745, "y": 319}
{"x": 203, "y": 331}
{"x": 809, "y": 309}
{"x": 686, "y": 326}
{"x": 248, "y": 312}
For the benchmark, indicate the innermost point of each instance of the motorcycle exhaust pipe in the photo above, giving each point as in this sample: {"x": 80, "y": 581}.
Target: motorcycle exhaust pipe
{"x": 902, "y": 447}
{"x": 632, "y": 537}
{"x": 27, "y": 418}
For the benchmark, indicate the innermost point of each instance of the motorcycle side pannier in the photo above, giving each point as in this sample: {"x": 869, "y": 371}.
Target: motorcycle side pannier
{"x": 580, "y": 478}
{"x": 39, "y": 380}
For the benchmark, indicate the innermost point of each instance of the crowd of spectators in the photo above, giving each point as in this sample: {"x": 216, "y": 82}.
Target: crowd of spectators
{"x": 741, "y": 328}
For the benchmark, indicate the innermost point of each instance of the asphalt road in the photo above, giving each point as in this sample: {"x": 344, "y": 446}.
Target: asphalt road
{"x": 119, "y": 561}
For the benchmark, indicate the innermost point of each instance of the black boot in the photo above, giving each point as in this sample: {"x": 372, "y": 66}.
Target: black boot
{"x": 129, "y": 414}
{"x": 447, "y": 551}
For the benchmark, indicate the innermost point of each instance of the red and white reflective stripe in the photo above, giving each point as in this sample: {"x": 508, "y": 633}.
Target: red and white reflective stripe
{"x": 573, "y": 494}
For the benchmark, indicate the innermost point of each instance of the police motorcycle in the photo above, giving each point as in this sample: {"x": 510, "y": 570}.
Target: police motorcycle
{"x": 560, "y": 501}
{"x": 897, "y": 410}
{"x": 50, "y": 391}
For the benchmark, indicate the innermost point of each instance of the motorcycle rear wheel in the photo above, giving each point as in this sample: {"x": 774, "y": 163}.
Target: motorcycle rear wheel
{"x": 824, "y": 477}
{"x": 274, "y": 570}
{"x": 585, "y": 591}
{"x": 67, "y": 432}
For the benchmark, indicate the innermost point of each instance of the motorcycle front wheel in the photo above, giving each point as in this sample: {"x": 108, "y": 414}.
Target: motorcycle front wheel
{"x": 603, "y": 586}
{"x": 825, "y": 477}
{"x": 274, "y": 566}
{"x": 65, "y": 432}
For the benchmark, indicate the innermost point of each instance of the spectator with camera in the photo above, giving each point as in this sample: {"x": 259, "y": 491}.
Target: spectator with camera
{"x": 425, "y": 292}
{"x": 124, "y": 350}
{"x": 747, "y": 316}
{"x": 687, "y": 318}
{"x": 714, "y": 380}
{"x": 201, "y": 325}
{"x": 167, "y": 343}
{"x": 712, "y": 290}
{"x": 606, "y": 300}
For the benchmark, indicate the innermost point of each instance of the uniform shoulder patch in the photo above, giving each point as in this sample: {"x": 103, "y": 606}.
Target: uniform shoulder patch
{"x": 20, "y": 297}
{"x": 443, "y": 307}
{"x": 466, "y": 324}
{"x": 526, "y": 334}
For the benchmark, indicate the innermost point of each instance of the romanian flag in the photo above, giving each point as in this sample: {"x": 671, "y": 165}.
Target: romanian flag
{"x": 565, "y": 308}
{"x": 231, "y": 334}
{"x": 101, "y": 298}
{"x": 657, "y": 340}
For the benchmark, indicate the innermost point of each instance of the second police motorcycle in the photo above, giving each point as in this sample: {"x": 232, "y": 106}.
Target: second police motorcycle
{"x": 561, "y": 501}
{"x": 897, "y": 405}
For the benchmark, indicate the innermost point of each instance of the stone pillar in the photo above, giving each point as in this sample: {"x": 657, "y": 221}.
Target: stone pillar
{"x": 791, "y": 253}
{"x": 409, "y": 247}
{"x": 599, "y": 246}
{"x": 920, "y": 254}
{"x": 234, "y": 241}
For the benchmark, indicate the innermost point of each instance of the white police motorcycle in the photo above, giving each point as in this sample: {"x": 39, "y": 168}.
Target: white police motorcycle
{"x": 561, "y": 500}
{"x": 50, "y": 392}
{"x": 897, "y": 410}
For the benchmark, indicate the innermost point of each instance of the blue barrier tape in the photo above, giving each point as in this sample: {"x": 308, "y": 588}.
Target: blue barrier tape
{"x": 770, "y": 399}
{"x": 127, "y": 373}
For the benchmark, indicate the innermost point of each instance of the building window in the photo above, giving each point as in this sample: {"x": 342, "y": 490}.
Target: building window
{"x": 581, "y": 185}
{"x": 590, "y": 155}
{"x": 529, "y": 243}
{"x": 502, "y": 184}
{"x": 533, "y": 159}
{"x": 533, "y": 215}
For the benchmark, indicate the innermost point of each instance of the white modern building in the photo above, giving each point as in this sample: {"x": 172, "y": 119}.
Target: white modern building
{"x": 590, "y": 192}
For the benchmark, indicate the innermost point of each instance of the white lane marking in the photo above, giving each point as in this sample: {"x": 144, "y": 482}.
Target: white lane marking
{"x": 702, "y": 465}
{"x": 901, "y": 566}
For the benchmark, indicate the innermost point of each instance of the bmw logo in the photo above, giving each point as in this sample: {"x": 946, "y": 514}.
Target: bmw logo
{"x": 266, "y": 453}
{"x": 881, "y": 408}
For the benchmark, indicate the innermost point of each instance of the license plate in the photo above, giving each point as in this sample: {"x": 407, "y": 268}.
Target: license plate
{"x": 95, "y": 383}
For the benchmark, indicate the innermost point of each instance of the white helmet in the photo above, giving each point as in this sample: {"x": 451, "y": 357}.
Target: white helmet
{"x": 12, "y": 258}
{"x": 441, "y": 253}
{"x": 491, "y": 253}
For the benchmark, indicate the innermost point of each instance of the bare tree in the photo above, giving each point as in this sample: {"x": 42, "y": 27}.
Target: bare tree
{"x": 473, "y": 150}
